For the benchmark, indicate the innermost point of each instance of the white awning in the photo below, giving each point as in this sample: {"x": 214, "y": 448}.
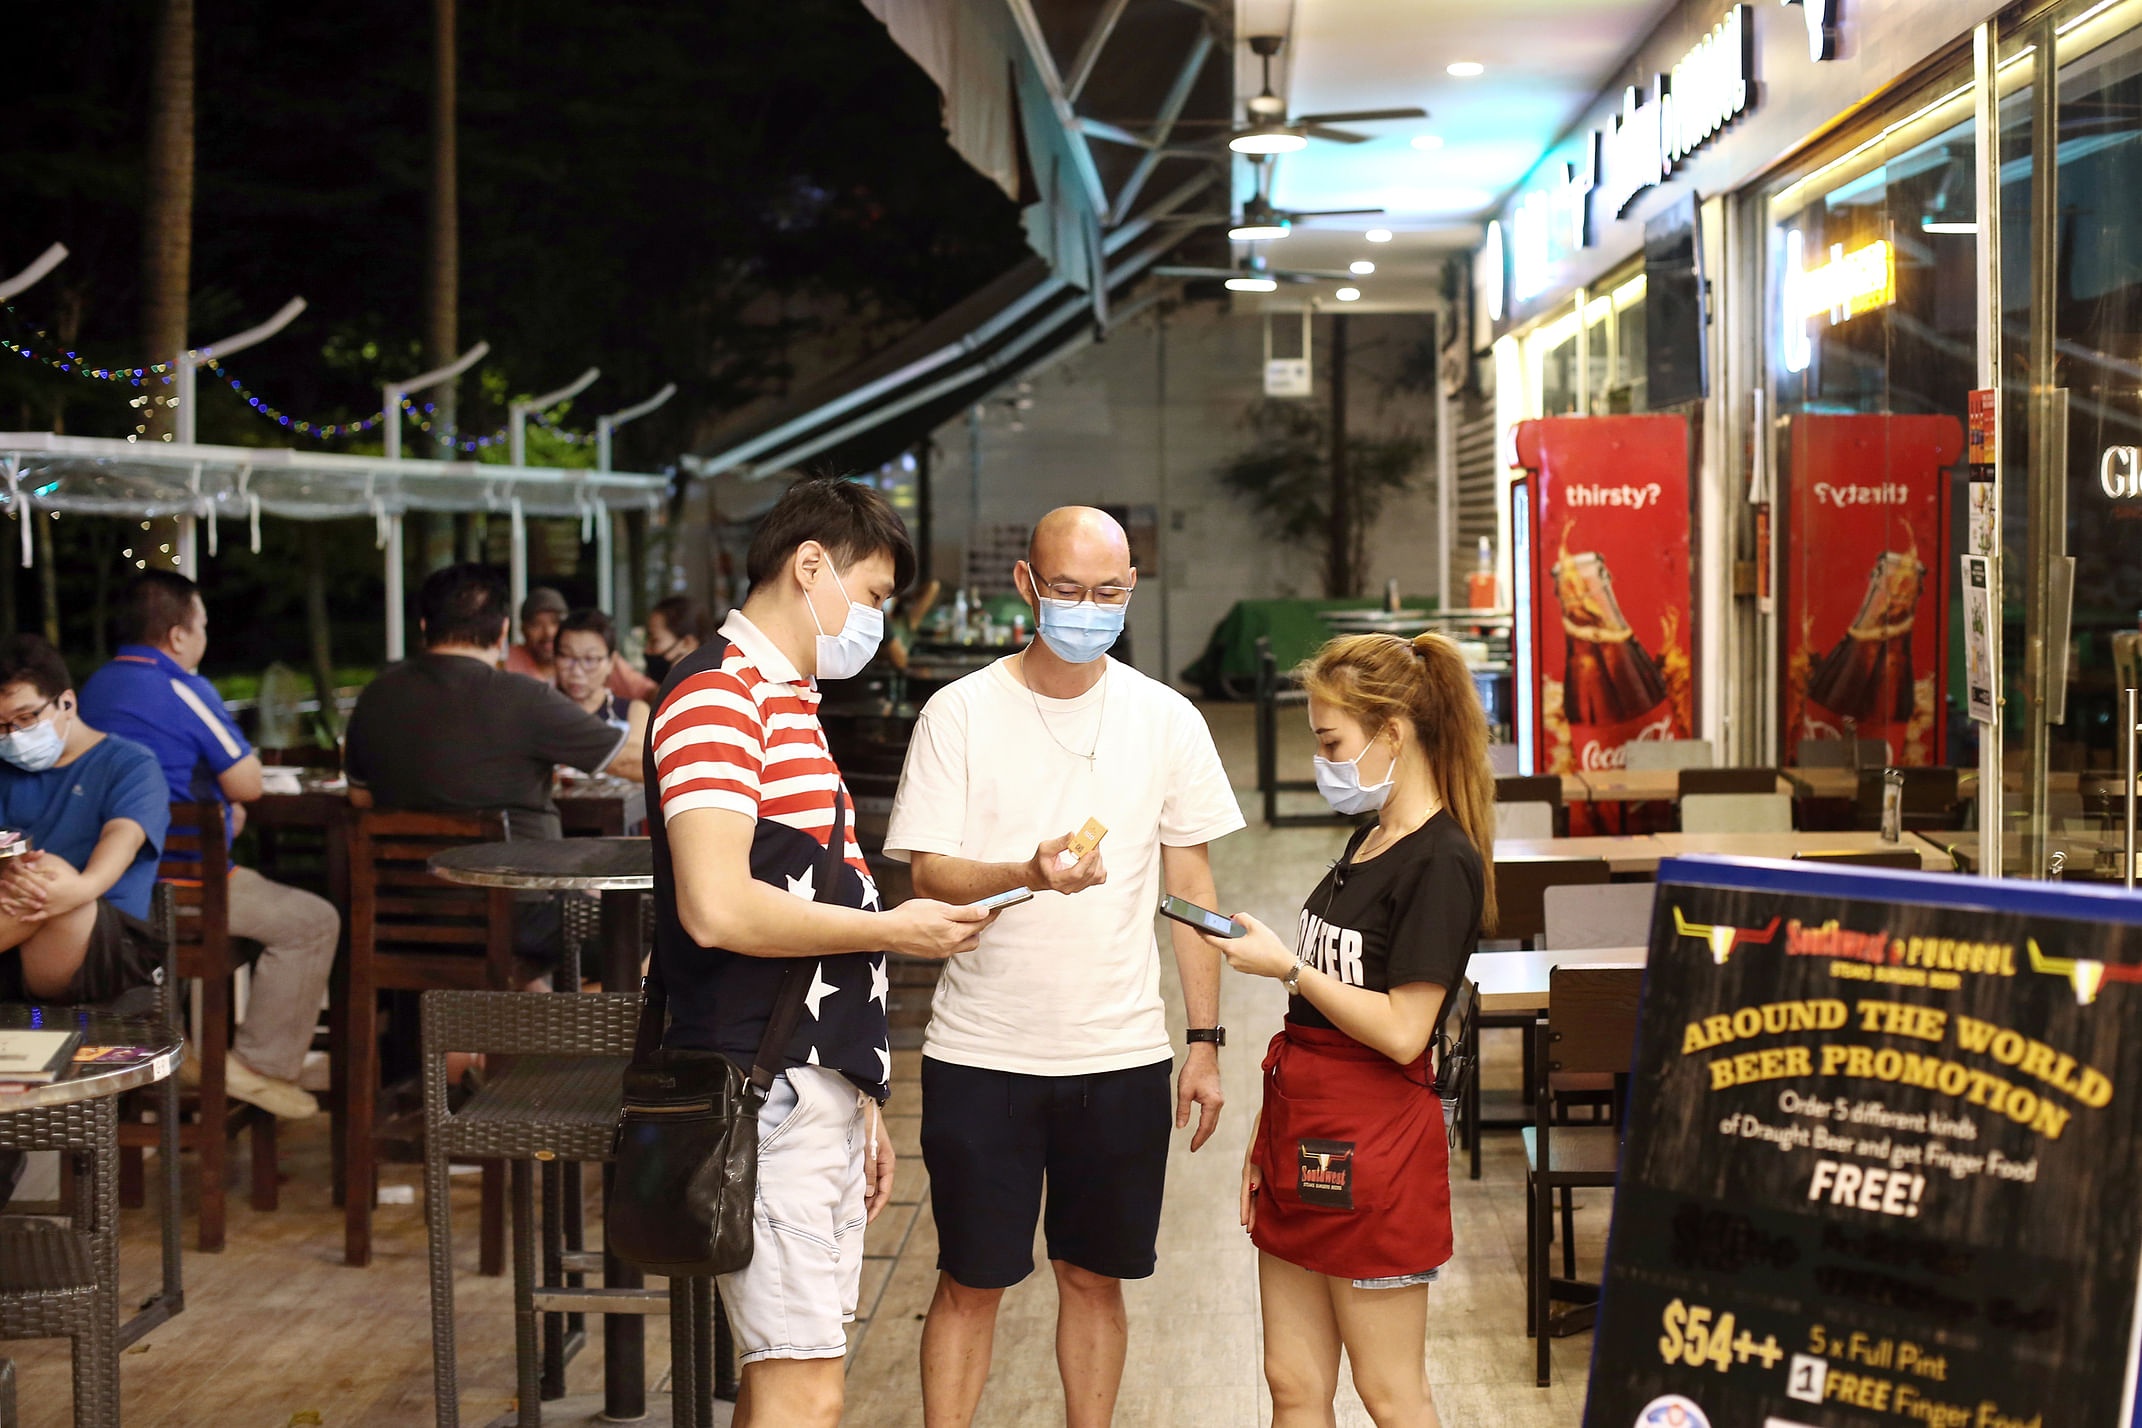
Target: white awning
{"x": 103, "y": 476}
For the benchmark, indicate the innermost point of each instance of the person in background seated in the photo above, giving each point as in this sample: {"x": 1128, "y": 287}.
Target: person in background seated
{"x": 586, "y": 647}
{"x": 152, "y": 692}
{"x": 542, "y": 615}
{"x": 675, "y": 627}
{"x": 448, "y": 731}
{"x": 73, "y": 912}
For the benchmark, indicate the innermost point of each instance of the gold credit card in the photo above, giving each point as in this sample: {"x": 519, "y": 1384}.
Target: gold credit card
{"x": 1086, "y": 839}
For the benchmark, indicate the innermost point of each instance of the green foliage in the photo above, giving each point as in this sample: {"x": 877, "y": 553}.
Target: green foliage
{"x": 1285, "y": 476}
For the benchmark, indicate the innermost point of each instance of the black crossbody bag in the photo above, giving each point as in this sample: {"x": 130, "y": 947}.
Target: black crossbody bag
{"x": 688, "y": 1139}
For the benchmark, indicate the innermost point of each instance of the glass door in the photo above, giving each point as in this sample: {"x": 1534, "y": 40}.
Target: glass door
{"x": 2070, "y": 120}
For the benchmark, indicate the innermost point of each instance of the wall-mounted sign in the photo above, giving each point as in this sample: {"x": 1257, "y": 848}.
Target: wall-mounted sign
{"x": 1488, "y": 275}
{"x": 2119, "y": 471}
{"x": 1821, "y": 28}
{"x": 1710, "y": 87}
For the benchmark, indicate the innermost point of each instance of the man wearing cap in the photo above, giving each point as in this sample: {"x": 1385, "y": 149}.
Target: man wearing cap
{"x": 537, "y": 654}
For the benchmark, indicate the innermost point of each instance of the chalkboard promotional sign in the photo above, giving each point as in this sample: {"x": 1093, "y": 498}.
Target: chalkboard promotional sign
{"x": 1882, "y": 1163}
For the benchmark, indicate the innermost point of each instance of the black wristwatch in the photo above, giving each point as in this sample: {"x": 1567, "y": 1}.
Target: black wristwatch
{"x": 1217, "y": 1035}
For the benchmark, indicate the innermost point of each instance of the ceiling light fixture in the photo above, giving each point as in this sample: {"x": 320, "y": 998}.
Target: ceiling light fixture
{"x": 1258, "y": 232}
{"x": 1378, "y": 235}
{"x": 1268, "y": 139}
{"x": 1427, "y": 141}
{"x": 1348, "y": 294}
{"x": 1360, "y": 267}
{"x": 1252, "y": 285}
{"x": 1466, "y": 69}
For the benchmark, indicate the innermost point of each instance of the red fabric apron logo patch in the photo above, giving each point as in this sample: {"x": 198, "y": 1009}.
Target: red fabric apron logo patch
{"x": 1326, "y": 1175}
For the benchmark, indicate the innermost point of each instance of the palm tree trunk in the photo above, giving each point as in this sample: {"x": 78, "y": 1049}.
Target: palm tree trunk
{"x": 442, "y": 277}
{"x": 167, "y": 208}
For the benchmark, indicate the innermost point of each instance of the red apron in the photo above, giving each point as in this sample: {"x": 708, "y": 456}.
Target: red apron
{"x": 1355, "y": 1161}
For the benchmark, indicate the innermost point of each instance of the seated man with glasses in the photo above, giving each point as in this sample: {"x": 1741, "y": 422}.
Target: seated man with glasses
{"x": 586, "y": 646}
{"x": 94, "y": 810}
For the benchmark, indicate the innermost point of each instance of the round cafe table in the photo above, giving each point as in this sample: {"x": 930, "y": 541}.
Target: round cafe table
{"x": 77, "y": 1114}
{"x": 622, "y": 871}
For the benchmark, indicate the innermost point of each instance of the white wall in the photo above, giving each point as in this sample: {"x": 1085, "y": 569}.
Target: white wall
{"x": 1147, "y": 418}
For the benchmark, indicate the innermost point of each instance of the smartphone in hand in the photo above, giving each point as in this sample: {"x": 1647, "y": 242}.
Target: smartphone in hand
{"x": 1010, "y": 897}
{"x": 1190, "y": 914}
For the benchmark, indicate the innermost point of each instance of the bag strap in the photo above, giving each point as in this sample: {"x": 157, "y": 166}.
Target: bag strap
{"x": 795, "y": 984}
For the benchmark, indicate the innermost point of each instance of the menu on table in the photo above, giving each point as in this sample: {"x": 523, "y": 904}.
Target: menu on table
{"x": 1883, "y": 1157}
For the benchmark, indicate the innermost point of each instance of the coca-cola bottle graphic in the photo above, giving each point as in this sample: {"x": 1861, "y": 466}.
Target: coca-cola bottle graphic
{"x": 1610, "y": 678}
{"x": 1867, "y": 674}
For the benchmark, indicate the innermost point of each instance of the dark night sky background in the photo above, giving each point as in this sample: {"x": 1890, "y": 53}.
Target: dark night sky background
{"x": 647, "y": 186}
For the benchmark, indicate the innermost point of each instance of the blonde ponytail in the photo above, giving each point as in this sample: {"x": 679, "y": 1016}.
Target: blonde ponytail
{"x": 1382, "y": 678}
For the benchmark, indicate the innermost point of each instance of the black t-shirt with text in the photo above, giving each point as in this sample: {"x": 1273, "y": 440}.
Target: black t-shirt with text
{"x": 444, "y": 733}
{"x": 1409, "y": 914}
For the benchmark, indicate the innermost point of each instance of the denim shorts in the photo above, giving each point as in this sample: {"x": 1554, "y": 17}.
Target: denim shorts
{"x": 1399, "y": 1281}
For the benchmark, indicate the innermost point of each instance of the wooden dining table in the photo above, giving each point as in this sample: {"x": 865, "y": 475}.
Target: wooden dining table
{"x": 1638, "y": 855}
{"x": 1516, "y": 982}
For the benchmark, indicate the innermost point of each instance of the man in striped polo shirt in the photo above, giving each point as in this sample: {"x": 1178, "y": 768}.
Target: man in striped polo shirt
{"x": 747, "y": 791}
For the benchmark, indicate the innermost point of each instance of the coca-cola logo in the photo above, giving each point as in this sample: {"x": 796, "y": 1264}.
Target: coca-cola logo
{"x": 1598, "y": 755}
{"x": 1633, "y": 497}
{"x": 1889, "y": 493}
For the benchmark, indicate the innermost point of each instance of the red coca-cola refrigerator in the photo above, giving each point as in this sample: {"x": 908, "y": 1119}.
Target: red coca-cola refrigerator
{"x": 1600, "y": 547}
{"x": 1866, "y": 581}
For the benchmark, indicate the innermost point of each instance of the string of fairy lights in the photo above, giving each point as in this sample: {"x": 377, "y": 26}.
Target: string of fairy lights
{"x": 46, "y": 350}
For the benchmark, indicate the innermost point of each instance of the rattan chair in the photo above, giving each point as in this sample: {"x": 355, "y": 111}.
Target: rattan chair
{"x": 556, "y": 1100}
{"x": 62, "y": 1282}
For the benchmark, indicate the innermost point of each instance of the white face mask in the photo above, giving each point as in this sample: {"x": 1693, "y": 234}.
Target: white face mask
{"x": 843, "y": 655}
{"x": 36, "y": 748}
{"x": 1341, "y": 785}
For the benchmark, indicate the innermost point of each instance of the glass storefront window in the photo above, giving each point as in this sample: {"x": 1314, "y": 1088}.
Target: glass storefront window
{"x": 1870, "y": 357}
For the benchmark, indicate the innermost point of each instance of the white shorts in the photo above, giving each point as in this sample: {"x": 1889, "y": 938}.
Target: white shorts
{"x": 806, "y": 1270}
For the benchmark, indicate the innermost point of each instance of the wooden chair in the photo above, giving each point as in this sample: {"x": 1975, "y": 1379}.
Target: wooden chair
{"x": 1736, "y": 813}
{"x": 1841, "y": 753}
{"x": 1535, "y": 788}
{"x": 1521, "y": 886}
{"x": 1646, "y": 754}
{"x": 1590, "y": 1030}
{"x": 1929, "y": 798}
{"x": 1733, "y": 780}
{"x": 1900, "y": 858}
{"x": 412, "y": 932}
{"x": 200, "y": 886}
{"x": 1524, "y": 820}
{"x": 1616, "y": 915}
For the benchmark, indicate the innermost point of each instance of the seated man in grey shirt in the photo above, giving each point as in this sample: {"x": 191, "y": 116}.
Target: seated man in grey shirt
{"x": 449, "y": 731}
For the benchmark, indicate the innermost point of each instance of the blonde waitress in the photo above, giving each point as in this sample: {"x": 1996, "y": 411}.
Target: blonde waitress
{"x": 1346, "y": 1188}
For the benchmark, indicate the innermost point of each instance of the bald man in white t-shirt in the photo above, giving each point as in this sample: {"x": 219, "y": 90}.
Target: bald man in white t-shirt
{"x": 1047, "y": 1060}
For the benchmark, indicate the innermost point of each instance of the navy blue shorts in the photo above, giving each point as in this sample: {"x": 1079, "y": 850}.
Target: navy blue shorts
{"x": 991, "y": 1139}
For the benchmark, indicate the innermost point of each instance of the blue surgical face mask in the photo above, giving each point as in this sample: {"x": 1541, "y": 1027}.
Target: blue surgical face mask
{"x": 36, "y": 748}
{"x": 1080, "y": 633}
{"x": 846, "y": 653}
{"x": 1341, "y": 785}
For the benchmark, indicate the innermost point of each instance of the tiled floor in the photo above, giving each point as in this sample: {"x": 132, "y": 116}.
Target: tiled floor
{"x": 277, "y": 1333}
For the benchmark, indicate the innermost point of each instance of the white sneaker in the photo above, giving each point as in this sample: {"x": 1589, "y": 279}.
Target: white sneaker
{"x": 285, "y": 1100}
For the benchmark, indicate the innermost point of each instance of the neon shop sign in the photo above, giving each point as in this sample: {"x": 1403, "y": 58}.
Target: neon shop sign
{"x": 1842, "y": 288}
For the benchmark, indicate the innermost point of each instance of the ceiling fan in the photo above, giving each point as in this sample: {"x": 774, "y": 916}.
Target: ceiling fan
{"x": 1261, "y": 220}
{"x": 1252, "y": 275}
{"x": 1270, "y": 131}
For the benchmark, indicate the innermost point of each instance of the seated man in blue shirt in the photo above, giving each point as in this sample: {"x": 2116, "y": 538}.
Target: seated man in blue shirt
{"x": 72, "y": 912}
{"x": 152, "y": 693}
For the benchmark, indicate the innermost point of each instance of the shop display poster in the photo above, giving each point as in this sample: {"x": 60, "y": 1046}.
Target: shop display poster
{"x": 1610, "y": 602}
{"x": 1865, "y": 572}
{"x": 1883, "y": 1156}
{"x": 1978, "y": 626}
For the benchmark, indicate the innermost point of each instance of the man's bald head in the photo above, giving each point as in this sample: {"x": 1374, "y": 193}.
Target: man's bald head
{"x": 1081, "y": 546}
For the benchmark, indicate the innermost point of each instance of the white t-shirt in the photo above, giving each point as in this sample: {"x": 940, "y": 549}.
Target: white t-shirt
{"x": 1062, "y": 985}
